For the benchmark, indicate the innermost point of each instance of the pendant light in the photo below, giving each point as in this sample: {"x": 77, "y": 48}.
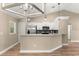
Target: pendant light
{"x": 45, "y": 14}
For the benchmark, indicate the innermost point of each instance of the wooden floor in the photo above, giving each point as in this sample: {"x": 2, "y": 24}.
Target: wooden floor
{"x": 71, "y": 50}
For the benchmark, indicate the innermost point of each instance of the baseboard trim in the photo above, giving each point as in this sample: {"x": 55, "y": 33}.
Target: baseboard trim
{"x": 65, "y": 44}
{"x": 1, "y": 52}
{"x": 40, "y": 51}
{"x": 74, "y": 41}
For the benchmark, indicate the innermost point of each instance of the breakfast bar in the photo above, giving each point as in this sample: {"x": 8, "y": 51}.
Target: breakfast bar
{"x": 40, "y": 42}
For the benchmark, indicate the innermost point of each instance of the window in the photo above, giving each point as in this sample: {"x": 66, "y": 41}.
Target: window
{"x": 12, "y": 27}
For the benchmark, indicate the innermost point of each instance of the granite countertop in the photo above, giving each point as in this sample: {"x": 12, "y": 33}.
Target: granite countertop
{"x": 33, "y": 35}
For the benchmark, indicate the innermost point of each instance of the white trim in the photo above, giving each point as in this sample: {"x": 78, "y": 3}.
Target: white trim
{"x": 15, "y": 12}
{"x": 65, "y": 44}
{"x": 74, "y": 40}
{"x": 35, "y": 14}
{"x": 39, "y": 51}
{"x": 3, "y": 51}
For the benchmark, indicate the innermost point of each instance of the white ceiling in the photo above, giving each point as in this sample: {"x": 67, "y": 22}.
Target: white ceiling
{"x": 72, "y": 7}
{"x": 50, "y": 8}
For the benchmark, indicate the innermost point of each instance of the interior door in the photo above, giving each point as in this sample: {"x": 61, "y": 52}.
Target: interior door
{"x": 69, "y": 32}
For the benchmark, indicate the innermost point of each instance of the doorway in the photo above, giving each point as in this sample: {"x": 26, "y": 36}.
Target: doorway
{"x": 69, "y": 32}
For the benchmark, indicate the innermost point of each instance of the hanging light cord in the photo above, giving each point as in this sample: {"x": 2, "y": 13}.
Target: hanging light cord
{"x": 45, "y": 14}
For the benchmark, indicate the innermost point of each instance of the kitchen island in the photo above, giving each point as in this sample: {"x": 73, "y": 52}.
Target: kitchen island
{"x": 40, "y": 42}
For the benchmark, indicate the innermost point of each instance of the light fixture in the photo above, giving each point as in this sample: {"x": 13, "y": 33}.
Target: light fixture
{"x": 45, "y": 17}
{"x": 25, "y": 6}
{"x": 26, "y": 12}
{"x": 28, "y": 19}
{"x": 45, "y": 14}
{"x": 56, "y": 5}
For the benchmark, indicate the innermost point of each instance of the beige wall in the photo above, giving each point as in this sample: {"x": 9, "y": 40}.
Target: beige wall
{"x": 6, "y": 39}
{"x": 74, "y": 21}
